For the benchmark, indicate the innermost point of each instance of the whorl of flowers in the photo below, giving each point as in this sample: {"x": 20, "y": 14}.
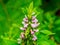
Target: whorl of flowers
{"x": 33, "y": 24}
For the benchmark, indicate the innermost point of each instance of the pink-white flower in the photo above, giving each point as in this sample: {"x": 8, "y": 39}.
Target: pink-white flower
{"x": 25, "y": 19}
{"x": 25, "y": 25}
{"x": 33, "y": 17}
{"x": 35, "y": 25}
{"x": 22, "y": 35}
{"x": 34, "y": 38}
{"x": 35, "y": 20}
{"x": 22, "y": 28}
{"x": 32, "y": 32}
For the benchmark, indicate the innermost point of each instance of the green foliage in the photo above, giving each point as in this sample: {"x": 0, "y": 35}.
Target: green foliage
{"x": 13, "y": 11}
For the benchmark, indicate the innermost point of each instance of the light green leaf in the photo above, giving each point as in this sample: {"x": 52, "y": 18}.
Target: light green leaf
{"x": 47, "y": 32}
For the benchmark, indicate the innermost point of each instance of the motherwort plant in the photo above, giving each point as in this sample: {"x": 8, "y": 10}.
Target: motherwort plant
{"x": 30, "y": 27}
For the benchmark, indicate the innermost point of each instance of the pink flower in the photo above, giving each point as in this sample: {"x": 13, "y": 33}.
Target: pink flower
{"x": 22, "y": 35}
{"x": 25, "y": 25}
{"x": 35, "y": 20}
{"x": 25, "y": 19}
{"x": 33, "y": 17}
{"x": 22, "y": 28}
{"x": 32, "y": 32}
{"x": 35, "y": 25}
{"x": 34, "y": 38}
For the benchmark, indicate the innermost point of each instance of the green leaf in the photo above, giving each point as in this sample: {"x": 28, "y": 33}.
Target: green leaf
{"x": 47, "y": 32}
{"x": 30, "y": 9}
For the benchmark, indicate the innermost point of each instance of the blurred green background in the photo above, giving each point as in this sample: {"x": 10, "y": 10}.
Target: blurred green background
{"x": 11, "y": 16}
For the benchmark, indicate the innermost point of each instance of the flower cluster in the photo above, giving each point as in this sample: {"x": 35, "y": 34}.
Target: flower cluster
{"x": 33, "y": 23}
